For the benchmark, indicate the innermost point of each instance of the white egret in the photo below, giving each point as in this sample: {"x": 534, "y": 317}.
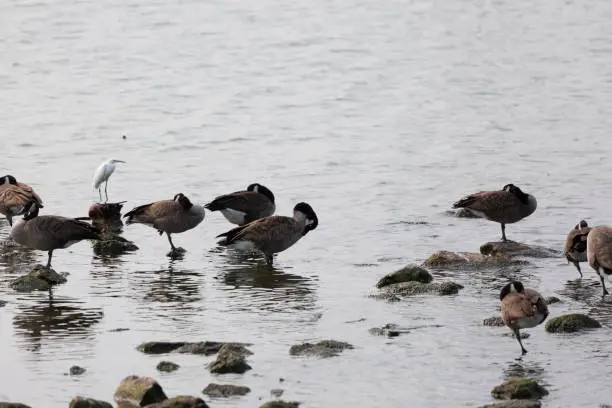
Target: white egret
{"x": 103, "y": 172}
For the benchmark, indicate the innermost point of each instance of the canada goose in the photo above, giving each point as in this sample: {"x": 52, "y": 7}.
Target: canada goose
{"x": 599, "y": 253}
{"x": 102, "y": 174}
{"x": 505, "y": 206}
{"x": 521, "y": 308}
{"x": 242, "y": 207}
{"x": 575, "y": 249}
{"x": 272, "y": 234}
{"x": 13, "y": 197}
{"x": 169, "y": 216}
{"x": 50, "y": 232}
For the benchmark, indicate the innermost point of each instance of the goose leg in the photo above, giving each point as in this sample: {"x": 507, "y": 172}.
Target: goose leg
{"x": 605, "y": 291}
{"x": 10, "y": 220}
{"x": 518, "y": 337}
{"x": 175, "y": 251}
{"x": 503, "y": 227}
{"x": 577, "y": 265}
{"x": 49, "y": 260}
{"x": 170, "y": 240}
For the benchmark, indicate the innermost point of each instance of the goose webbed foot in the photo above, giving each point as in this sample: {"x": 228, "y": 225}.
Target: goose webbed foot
{"x": 176, "y": 253}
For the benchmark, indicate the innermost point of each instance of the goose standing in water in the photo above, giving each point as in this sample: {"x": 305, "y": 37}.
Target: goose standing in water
{"x": 599, "y": 253}
{"x": 521, "y": 308}
{"x": 169, "y": 216}
{"x": 50, "y": 232}
{"x": 102, "y": 174}
{"x": 575, "y": 249}
{"x": 505, "y": 206}
{"x": 14, "y": 196}
{"x": 273, "y": 234}
{"x": 242, "y": 207}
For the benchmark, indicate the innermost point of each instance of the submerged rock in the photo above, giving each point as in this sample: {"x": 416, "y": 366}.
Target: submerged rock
{"x": 515, "y": 404}
{"x": 323, "y": 349}
{"x": 139, "y": 391}
{"x": 40, "y": 278}
{"x": 453, "y": 260}
{"x": 76, "y": 370}
{"x": 406, "y": 274}
{"x": 418, "y": 288}
{"x": 511, "y": 249}
{"x": 231, "y": 359}
{"x": 113, "y": 244}
{"x": 13, "y": 405}
{"x": 225, "y": 390}
{"x": 494, "y": 321}
{"x": 202, "y": 347}
{"x": 280, "y": 404}
{"x": 388, "y": 330}
{"x": 180, "y": 402}
{"x": 84, "y": 402}
{"x": 277, "y": 392}
{"x": 167, "y": 366}
{"x": 2, "y": 303}
{"x": 552, "y": 299}
{"x": 519, "y": 388}
{"x": 571, "y": 323}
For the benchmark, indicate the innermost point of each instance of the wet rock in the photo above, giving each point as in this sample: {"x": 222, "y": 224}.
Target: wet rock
{"x": 225, "y": 390}
{"x": 406, "y": 274}
{"x": 2, "y": 303}
{"x": 323, "y": 349}
{"x": 76, "y": 370}
{"x": 84, "y": 402}
{"x": 277, "y": 392}
{"x": 386, "y": 296}
{"x": 515, "y": 404}
{"x": 180, "y": 402}
{"x": 465, "y": 213}
{"x": 139, "y": 391}
{"x": 280, "y": 404}
{"x": 388, "y": 330}
{"x": 571, "y": 323}
{"x": 13, "y": 405}
{"x": 231, "y": 359}
{"x": 494, "y": 321}
{"x": 203, "y": 347}
{"x": 473, "y": 260}
{"x": 418, "y": 288}
{"x": 167, "y": 366}
{"x": 511, "y": 249}
{"x": 113, "y": 244}
{"x": 552, "y": 299}
{"x": 160, "y": 347}
{"x": 519, "y": 388}
{"x": 40, "y": 278}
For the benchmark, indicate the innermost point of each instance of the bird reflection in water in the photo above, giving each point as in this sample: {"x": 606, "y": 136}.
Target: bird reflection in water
{"x": 175, "y": 287}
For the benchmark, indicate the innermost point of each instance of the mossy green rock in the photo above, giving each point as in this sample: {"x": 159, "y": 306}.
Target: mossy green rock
{"x": 202, "y": 347}
{"x": 139, "y": 391}
{"x": 494, "y": 321}
{"x": 84, "y": 402}
{"x": 519, "y": 388}
{"x": 40, "y": 278}
{"x": 231, "y": 359}
{"x": 113, "y": 244}
{"x": 280, "y": 404}
{"x": 419, "y": 288}
{"x": 515, "y": 404}
{"x": 467, "y": 260}
{"x": 225, "y": 390}
{"x": 323, "y": 349}
{"x": 167, "y": 366}
{"x": 13, "y": 405}
{"x": 406, "y": 274}
{"x": 511, "y": 249}
{"x": 571, "y": 323}
{"x": 180, "y": 402}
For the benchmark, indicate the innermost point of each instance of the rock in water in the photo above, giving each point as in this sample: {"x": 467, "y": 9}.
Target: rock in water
{"x": 203, "y": 347}
{"x": 231, "y": 359}
{"x": 13, "y": 405}
{"x": 323, "y": 349}
{"x": 84, "y": 402}
{"x": 280, "y": 404}
{"x": 511, "y": 249}
{"x": 468, "y": 260}
{"x": 418, "y": 288}
{"x": 40, "y": 278}
{"x": 76, "y": 370}
{"x": 167, "y": 366}
{"x": 113, "y": 244}
{"x": 388, "y": 330}
{"x": 515, "y": 404}
{"x": 552, "y": 299}
{"x": 494, "y": 321}
{"x": 519, "y": 388}
{"x": 406, "y": 274}
{"x": 571, "y": 323}
{"x": 180, "y": 402}
{"x": 225, "y": 390}
{"x": 139, "y": 391}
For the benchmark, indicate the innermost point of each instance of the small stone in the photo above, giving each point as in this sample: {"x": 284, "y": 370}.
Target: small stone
{"x": 139, "y": 391}
{"x": 406, "y": 274}
{"x": 225, "y": 390}
{"x": 388, "y": 330}
{"x": 277, "y": 392}
{"x": 494, "y": 321}
{"x": 40, "y": 278}
{"x": 231, "y": 359}
{"x": 159, "y": 347}
{"x": 519, "y": 388}
{"x": 83, "y": 402}
{"x": 167, "y": 366}
{"x": 571, "y": 323}
{"x": 76, "y": 370}
{"x": 323, "y": 349}
{"x": 280, "y": 404}
{"x": 552, "y": 299}
{"x": 180, "y": 402}
{"x": 113, "y": 244}
{"x": 515, "y": 404}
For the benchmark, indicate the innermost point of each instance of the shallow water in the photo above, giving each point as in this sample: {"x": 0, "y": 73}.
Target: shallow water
{"x": 380, "y": 115}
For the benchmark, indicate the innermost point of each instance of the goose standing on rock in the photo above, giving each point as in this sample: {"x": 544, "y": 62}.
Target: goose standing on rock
{"x": 575, "y": 249}
{"x": 521, "y": 308}
{"x": 506, "y": 206}
{"x": 599, "y": 253}
{"x": 14, "y": 196}
{"x": 102, "y": 174}
{"x": 242, "y": 207}
{"x": 273, "y": 234}
{"x": 169, "y": 216}
{"x": 50, "y": 232}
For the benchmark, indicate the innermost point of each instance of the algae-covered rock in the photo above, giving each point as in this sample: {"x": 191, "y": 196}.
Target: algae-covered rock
{"x": 76, "y": 370}
{"x": 323, "y": 349}
{"x": 139, "y": 391}
{"x": 225, "y": 390}
{"x": 511, "y": 249}
{"x": 519, "y": 388}
{"x": 202, "y": 347}
{"x": 418, "y": 288}
{"x": 13, "y": 405}
{"x": 40, "y": 278}
{"x": 280, "y": 404}
{"x": 180, "y": 402}
{"x": 231, "y": 359}
{"x": 571, "y": 323}
{"x": 471, "y": 260}
{"x": 494, "y": 321}
{"x": 113, "y": 244}
{"x": 406, "y": 274}
{"x": 388, "y": 330}
{"x": 167, "y": 366}
{"x": 515, "y": 404}
{"x": 160, "y": 347}
{"x": 84, "y": 402}
{"x": 552, "y": 299}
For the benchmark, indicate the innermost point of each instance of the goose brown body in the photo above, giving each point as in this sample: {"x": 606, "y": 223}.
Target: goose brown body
{"x": 13, "y": 197}
{"x": 242, "y": 207}
{"x": 599, "y": 253}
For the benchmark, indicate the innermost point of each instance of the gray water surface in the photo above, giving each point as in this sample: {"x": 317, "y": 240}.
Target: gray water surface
{"x": 378, "y": 114}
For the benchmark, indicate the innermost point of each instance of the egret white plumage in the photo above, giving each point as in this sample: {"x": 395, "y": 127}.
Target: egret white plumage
{"x": 103, "y": 172}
